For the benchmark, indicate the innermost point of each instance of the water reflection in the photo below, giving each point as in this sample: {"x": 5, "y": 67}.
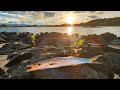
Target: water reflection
{"x": 69, "y": 30}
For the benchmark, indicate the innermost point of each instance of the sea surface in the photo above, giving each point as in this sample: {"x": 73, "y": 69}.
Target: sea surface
{"x": 69, "y": 30}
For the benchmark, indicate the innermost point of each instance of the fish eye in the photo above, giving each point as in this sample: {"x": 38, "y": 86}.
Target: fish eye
{"x": 39, "y": 64}
{"x": 29, "y": 67}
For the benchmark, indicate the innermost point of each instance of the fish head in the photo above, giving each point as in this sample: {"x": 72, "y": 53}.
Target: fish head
{"x": 35, "y": 67}
{"x": 41, "y": 66}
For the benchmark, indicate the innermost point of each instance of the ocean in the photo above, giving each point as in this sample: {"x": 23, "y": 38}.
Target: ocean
{"x": 69, "y": 30}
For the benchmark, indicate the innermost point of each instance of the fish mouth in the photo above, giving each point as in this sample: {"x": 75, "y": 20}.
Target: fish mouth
{"x": 30, "y": 68}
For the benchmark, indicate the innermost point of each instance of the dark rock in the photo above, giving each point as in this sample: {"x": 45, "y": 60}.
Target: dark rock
{"x": 49, "y": 48}
{"x": 111, "y": 49}
{"x": 42, "y": 56}
{"x": 108, "y": 36}
{"x": 23, "y": 46}
{"x": 16, "y": 46}
{"x": 115, "y": 42}
{"x": 88, "y": 52}
{"x": 18, "y": 58}
{"x": 3, "y": 36}
{"x": 105, "y": 67}
{"x": 71, "y": 72}
{"x": 18, "y": 72}
{"x": 115, "y": 59}
{"x": 84, "y": 71}
{"x": 84, "y": 54}
{"x": 25, "y": 37}
{"x": 36, "y": 50}
{"x": 2, "y": 40}
{"x": 1, "y": 71}
{"x": 10, "y": 76}
{"x": 10, "y": 55}
{"x": 55, "y": 39}
{"x": 10, "y": 36}
{"x": 4, "y": 51}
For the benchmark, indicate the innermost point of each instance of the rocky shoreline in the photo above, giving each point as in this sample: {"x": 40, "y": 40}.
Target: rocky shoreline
{"x": 18, "y": 50}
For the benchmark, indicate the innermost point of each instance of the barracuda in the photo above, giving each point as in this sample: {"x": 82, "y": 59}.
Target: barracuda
{"x": 60, "y": 62}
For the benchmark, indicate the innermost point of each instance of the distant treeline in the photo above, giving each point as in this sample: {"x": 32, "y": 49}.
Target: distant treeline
{"x": 103, "y": 22}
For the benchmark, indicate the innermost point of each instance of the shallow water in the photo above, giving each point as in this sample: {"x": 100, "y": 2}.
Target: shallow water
{"x": 70, "y": 30}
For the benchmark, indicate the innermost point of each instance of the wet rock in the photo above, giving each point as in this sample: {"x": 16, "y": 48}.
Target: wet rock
{"x": 18, "y": 58}
{"x": 115, "y": 59}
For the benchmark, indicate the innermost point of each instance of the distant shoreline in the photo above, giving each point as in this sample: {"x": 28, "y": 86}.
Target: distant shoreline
{"x": 63, "y": 26}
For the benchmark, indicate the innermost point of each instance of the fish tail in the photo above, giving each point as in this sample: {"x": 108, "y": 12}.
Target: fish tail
{"x": 95, "y": 57}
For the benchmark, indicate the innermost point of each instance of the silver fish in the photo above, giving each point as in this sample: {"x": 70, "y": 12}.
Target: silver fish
{"x": 59, "y": 62}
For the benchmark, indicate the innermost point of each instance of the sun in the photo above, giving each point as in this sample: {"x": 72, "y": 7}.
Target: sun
{"x": 69, "y": 20}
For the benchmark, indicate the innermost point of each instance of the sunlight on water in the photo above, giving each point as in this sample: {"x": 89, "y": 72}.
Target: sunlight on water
{"x": 69, "y": 30}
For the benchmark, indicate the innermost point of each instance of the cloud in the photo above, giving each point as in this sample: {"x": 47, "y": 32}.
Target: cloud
{"x": 93, "y": 17}
{"x": 101, "y": 12}
{"x": 49, "y": 14}
{"x": 2, "y": 14}
{"x": 96, "y": 12}
{"x": 49, "y": 17}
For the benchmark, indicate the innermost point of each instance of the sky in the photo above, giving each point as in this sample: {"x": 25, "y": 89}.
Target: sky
{"x": 53, "y": 17}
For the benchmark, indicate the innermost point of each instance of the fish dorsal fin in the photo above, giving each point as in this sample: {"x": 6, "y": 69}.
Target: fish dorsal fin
{"x": 95, "y": 57}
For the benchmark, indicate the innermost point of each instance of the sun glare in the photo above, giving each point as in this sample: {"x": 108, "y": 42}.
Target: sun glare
{"x": 69, "y": 30}
{"x": 70, "y": 20}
